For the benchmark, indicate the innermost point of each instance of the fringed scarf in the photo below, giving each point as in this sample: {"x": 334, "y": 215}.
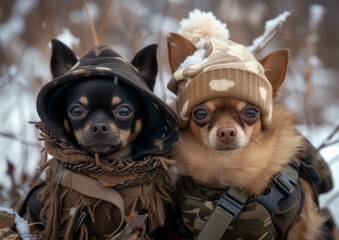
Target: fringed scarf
{"x": 61, "y": 220}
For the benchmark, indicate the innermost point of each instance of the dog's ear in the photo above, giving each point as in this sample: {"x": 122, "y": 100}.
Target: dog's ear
{"x": 179, "y": 48}
{"x": 62, "y": 58}
{"x": 146, "y": 63}
{"x": 275, "y": 65}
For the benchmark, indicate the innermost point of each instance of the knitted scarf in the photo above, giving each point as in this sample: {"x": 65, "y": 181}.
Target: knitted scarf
{"x": 60, "y": 220}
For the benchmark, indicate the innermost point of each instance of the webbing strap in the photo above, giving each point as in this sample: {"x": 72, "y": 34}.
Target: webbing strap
{"x": 216, "y": 225}
{"x": 228, "y": 208}
{"x": 93, "y": 188}
{"x": 137, "y": 191}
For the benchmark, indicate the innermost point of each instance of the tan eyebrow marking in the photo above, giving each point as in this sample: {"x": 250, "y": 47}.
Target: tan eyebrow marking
{"x": 67, "y": 127}
{"x": 239, "y": 105}
{"x": 83, "y": 100}
{"x": 116, "y": 100}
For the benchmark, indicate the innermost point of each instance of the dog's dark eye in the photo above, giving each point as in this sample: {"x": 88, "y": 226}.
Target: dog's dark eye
{"x": 124, "y": 111}
{"x": 76, "y": 111}
{"x": 251, "y": 113}
{"x": 200, "y": 114}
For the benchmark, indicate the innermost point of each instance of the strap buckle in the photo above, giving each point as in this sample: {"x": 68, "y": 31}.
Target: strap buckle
{"x": 281, "y": 188}
{"x": 80, "y": 220}
{"x": 231, "y": 204}
{"x": 283, "y": 181}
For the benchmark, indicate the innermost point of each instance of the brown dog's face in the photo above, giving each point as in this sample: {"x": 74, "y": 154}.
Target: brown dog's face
{"x": 225, "y": 124}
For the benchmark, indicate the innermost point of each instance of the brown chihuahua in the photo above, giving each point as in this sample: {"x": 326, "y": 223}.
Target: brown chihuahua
{"x": 227, "y": 138}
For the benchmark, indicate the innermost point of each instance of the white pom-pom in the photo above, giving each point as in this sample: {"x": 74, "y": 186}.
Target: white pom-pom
{"x": 200, "y": 26}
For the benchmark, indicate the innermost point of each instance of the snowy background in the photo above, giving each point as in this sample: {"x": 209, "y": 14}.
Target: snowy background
{"x": 27, "y": 26}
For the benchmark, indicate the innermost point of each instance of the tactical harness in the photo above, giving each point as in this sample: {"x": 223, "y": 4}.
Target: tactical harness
{"x": 216, "y": 213}
{"x": 93, "y": 188}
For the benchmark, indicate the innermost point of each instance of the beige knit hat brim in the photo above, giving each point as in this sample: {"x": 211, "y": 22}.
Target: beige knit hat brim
{"x": 225, "y": 82}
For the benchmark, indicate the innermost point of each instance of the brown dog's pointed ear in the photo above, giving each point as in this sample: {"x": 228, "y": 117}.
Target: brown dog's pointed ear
{"x": 275, "y": 65}
{"x": 179, "y": 48}
{"x": 62, "y": 58}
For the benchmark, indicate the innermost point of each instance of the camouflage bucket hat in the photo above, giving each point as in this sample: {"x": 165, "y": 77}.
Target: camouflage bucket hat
{"x": 160, "y": 130}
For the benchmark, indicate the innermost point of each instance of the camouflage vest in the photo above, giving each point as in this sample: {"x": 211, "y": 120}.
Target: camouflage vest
{"x": 268, "y": 216}
{"x": 254, "y": 221}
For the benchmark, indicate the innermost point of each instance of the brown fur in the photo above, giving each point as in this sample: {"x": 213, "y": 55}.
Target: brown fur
{"x": 251, "y": 168}
{"x": 260, "y": 152}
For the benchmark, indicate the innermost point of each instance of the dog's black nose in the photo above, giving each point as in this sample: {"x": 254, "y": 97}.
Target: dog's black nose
{"x": 100, "y": 130}
{"x": 227, "y": 134}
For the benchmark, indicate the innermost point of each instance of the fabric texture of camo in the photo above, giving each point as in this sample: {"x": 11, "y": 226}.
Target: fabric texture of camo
{"x": 311, "y": 156}
{"x": 254, "y": 222}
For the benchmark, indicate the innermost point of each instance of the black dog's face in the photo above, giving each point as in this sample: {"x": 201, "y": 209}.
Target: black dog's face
{"x": 103, "y": 116}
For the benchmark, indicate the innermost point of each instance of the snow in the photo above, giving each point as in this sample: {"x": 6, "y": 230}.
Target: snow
{"x": 68, "y": 39}
{"x": 16, "y": 24}
{"x": 11, "y": 29}
{"x": 317, "y": 13}
{"x": 72, "y": 211}
{"x": 196, "y": 58}
{"x": 21, "y": 224}
{"x": 79, "y": 16}
{"x": 269, "y": 27}
{"x": 169, "y": 25}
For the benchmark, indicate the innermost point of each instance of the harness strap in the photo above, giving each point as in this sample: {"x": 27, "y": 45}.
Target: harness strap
{"x": 137, "y": 191}
{"x": 234, "y": 201}
{"x": 92, "y": 188}
{"x": 228, "y": 208}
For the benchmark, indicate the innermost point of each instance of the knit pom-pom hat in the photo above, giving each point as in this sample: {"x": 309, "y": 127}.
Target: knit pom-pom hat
{"x": 201, "y": 26}
{"x": 227, "y": 69}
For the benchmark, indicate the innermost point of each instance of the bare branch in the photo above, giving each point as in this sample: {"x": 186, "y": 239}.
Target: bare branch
{"x": 103, "y": 23}
{"x": 160, "y": 65}
{"x": 22, "y": 141}
{"x": 264, "y": 40}
{"x": 326, "y": 142}
{"x": 332, "y": 198}
{"x": 91, "y": 24}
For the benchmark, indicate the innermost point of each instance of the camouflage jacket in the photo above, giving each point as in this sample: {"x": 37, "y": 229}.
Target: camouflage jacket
{"x": 256, "y": 220}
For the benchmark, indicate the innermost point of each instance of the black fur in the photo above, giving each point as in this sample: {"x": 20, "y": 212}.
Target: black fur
{"x": 99, "y": 114}
{"x": 101, "y": 123}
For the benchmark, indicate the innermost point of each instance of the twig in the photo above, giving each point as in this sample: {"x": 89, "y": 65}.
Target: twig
{"x": 310, "y": 50}
{"x": 268, "y": 37}
{"x": 22, "y": 141}
{"x": 91, "y": 24}
{"x": 104, "y": 20}
{"x": 332, "y": 198}
{"x": 160, "y": 66}
{"x": 325, "y": 143}
{"x": 19, "y": 62}
{"x": 333, "y": 160}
